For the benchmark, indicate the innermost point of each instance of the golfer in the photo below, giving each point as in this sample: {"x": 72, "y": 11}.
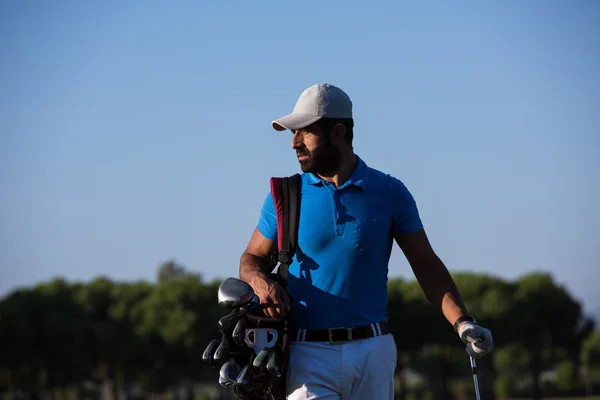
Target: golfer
{"x": 351, "y": 216}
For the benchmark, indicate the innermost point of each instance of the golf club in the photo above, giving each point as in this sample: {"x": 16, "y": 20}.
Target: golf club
{"x": 260, "y": 362}
{"x": 222, "y": 352}
{"x": 228, "y": 321}
{"x": 474, "y": 369}
{"x": 209, "y": 352}
{"x": 229, "y": 373}
{"x": 235, "y": 293}
{"x": 244, "y": 379}
{"x": 274, "y": 366}
{"x": 239, "y": 332}
{"x": 223, "y": 382}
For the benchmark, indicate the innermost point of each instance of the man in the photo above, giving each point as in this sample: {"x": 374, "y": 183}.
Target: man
{"x": 350, "y": 216}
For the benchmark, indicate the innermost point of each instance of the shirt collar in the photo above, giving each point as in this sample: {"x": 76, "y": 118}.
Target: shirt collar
{"x": 358, "y": 178}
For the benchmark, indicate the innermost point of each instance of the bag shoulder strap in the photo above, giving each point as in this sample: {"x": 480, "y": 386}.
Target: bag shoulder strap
{"x": 286, "y": 193}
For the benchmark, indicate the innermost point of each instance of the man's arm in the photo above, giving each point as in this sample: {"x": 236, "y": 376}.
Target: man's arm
{"x": 438, "y": 286}
{"x": 253, "y": 263}
{"x": 432, "y": 275}
{"x": 255, "y": 258}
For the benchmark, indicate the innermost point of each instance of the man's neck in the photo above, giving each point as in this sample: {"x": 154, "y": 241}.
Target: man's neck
{"x": 343, "y": 173}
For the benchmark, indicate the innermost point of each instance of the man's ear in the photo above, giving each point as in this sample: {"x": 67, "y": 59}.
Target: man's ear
{"x": 338, "y": 132}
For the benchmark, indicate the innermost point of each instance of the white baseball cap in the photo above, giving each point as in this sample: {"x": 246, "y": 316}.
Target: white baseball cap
{"x": 318, "y": 101}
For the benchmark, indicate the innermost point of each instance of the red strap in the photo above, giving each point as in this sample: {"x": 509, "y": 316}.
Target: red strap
{"x": 276, "y": 193}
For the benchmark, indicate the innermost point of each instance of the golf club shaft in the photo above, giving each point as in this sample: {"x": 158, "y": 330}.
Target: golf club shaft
{"x": 475, "y": 380}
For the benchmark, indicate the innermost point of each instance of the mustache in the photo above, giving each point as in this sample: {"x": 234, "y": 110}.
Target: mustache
{"x": 302, "y": 153}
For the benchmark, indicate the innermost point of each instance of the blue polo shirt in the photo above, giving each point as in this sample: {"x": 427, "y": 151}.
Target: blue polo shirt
{"x": 339, "y": 274}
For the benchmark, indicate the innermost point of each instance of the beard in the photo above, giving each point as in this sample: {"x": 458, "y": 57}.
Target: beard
{"x": 324, "y": 159}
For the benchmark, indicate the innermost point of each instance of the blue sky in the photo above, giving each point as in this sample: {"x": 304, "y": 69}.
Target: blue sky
{"x": 135, "y": 132}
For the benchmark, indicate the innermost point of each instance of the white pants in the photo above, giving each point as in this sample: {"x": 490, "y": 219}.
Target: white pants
{"x": 357, "y": 370}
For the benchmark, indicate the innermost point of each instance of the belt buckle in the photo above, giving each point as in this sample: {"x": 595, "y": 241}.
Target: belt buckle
{"x": 331, "y": 334}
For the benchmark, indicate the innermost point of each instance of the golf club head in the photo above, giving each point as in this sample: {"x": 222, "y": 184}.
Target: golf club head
{"x": 229, "y": 372}
{"x": 209, "y": 352}
{"x": 244, "y": 379}
{"x": 235, "y": 293}
{"x": 274, "y": 365}
{"x": 260, "y": 361}
{"x": 251, "y": 305}
{"x": 222, "y": 352}
{"x": 223, "y": 382}
{"x": 227, "y": 322}
{"x": 239, "y": 332}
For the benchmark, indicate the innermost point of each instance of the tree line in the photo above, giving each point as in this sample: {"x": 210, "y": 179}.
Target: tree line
{"x": 58, "y": 334}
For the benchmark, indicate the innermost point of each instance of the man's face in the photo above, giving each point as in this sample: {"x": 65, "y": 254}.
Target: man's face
{"x": 315, "y": 151}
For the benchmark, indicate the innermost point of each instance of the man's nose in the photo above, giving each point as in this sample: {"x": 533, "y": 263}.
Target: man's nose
{"x": 296, "y": 140}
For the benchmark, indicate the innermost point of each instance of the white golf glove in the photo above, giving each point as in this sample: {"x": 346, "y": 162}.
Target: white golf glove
{"x": 478, "y": 339}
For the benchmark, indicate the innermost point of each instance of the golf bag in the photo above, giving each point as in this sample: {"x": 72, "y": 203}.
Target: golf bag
{"x": 253, "y": 352}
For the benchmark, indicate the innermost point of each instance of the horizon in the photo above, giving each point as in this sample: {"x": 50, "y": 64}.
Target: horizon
{"x": 593, "y": 312}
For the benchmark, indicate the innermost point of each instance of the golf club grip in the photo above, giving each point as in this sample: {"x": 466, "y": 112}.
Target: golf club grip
{"x": 474, "y": 340}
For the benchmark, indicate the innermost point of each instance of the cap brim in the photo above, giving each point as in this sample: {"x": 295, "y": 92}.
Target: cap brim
{"x": 294, "y": 121}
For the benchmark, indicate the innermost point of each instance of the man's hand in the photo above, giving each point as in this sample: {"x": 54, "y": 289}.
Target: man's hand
{"x": 274, "y": 300}
{"x": 478, "y": 339}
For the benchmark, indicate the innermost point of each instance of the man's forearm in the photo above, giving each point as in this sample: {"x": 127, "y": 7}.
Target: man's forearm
{"x": 440, "y": 289}
{"x": 252, "y": 266}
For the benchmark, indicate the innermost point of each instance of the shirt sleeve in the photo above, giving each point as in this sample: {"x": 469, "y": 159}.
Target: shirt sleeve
{"x": 267, "y": 224}
{"x": 406, "y": 218}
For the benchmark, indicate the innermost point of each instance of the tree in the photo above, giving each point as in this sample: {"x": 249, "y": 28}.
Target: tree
{"x": 155, "y": 333}
{"x": 415, "y": 324}
{"x": 170, "y": 270}
{"x": 22, "y": 354}
{"x": 566, "y": 376}
{"x": 62, "y": 334}
{"x": 490, "y": 300}
{"x": 102, "y": 333}
{"x": 446, "y": 363}
{"x": 134, "y": 351}
{"x": 590, "y": 359}
{"x": 546, "y": 321}
{"x": 40, "y": 327}
{"x": 181, "y": 317}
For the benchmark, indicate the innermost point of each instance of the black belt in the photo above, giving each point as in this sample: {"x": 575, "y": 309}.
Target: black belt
{"x": 340, "y": 335}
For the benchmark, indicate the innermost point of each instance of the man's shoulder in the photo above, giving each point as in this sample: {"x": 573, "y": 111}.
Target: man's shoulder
{"x": 380, "y": 180}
